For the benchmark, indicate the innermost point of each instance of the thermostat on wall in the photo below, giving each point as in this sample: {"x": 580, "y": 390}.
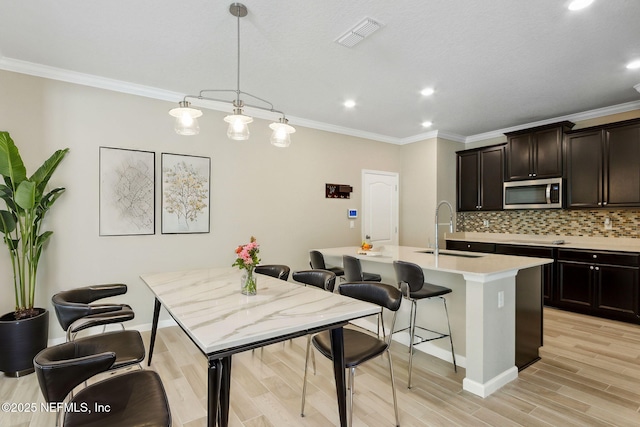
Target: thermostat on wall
{"x": 353, "y": 213}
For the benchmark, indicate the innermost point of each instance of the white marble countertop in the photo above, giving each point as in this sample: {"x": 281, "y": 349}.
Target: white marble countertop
{"x": 448, "y": 261}
{"x": 209, "y": 307}
{"x": 571, "y": 242}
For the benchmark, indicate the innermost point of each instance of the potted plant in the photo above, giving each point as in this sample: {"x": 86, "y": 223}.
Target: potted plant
{"x": 24, "y": 331}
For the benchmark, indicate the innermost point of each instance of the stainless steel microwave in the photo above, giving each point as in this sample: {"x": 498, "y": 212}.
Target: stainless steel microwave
{"x": 533, "y": 194}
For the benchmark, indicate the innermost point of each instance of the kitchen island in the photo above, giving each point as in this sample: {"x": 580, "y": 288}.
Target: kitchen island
{"x": 488, "y": 291}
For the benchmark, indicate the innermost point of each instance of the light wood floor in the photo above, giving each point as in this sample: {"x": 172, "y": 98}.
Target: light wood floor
{"x": 589, "y": 375}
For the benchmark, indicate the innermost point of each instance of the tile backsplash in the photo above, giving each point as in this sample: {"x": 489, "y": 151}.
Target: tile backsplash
{"x": 564, "y": 222}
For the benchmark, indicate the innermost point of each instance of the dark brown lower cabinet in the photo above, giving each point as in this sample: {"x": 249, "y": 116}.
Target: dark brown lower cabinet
{"x": 603, "y": 284}
{"x": 599, "y": 283}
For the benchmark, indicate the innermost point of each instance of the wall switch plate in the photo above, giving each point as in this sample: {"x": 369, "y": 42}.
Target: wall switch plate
{"x": 500, "y": 299}
{"x": 352, "y": 224}
{"x": 608, "y": 224}
{"x": 485, "y": 222}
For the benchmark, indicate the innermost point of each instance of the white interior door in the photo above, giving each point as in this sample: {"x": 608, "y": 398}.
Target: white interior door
{"x": 380, "y": 207}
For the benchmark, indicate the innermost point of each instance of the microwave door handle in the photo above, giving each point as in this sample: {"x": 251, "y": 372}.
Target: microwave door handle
{"x": 548, "y": 194}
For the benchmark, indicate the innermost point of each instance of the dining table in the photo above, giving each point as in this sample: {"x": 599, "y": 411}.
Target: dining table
{"x": 221, "y": 321}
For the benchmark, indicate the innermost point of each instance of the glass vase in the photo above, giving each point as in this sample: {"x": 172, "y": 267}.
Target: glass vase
{"x": 248, "y": 282}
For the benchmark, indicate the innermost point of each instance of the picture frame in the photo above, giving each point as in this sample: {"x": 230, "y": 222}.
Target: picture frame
{"x": 127, "y": 192}
{"x": 186, "y": 193}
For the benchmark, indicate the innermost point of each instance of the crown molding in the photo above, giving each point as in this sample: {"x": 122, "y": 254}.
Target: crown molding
{"x": 53, "y": 73}
{"x": 585, "y": 115}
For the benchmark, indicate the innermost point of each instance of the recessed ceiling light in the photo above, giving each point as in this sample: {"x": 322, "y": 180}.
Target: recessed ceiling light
{"x": 579, "y": 4}
{"x": 428, "y": 91}
{"x": 426, "y": 124}
{"x": 633, "y": 65}
{"x": 350, "y": 103}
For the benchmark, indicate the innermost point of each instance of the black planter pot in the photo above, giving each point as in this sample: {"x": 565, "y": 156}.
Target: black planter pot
{"x": 21, "y": 340}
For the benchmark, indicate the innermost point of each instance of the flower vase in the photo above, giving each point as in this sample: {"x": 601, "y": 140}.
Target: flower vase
{"x": 248, "y": 282}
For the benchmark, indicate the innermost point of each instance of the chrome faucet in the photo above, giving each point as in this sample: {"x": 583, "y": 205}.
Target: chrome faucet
{"x": 444, "y": 202}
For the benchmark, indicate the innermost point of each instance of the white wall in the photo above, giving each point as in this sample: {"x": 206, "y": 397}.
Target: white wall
{"x": 274, "y": 194}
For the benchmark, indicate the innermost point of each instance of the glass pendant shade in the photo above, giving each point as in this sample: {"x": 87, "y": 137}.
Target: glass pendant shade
{"x": 186, "y": 119}
{"x": 238, "y": 129}
{"x": 281, "y": 131}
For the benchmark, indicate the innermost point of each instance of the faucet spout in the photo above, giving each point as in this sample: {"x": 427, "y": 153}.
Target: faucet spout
{"x": 451, "y": 227}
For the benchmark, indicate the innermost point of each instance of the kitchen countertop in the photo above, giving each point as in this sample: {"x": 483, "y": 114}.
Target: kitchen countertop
{"x": 619, "y": 244}
{"x": 448, "y": 261}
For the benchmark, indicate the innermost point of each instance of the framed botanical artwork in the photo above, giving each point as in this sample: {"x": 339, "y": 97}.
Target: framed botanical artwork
{"x": 185, "y": 193}
{"x": 127, "y": 192}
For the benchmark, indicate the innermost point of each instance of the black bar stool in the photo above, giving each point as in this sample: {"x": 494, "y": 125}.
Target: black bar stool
{"x": 410, "y": 278}
{"x": 353, "y": 271}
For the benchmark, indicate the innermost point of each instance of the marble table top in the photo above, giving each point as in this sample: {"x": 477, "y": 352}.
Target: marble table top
{"x": 209, "y": 307}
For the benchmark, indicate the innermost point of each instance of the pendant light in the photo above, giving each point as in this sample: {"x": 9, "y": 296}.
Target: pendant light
{"x": 187, "y": 117}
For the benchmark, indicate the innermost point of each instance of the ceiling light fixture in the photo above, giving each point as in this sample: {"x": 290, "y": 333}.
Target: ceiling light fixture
{"x": 426, "y": 124}
{"x": 428, "y": 91}
{"x": 187, "y": 117}
{"x": 349, "y": 103}
{"x": 633, "y": 65}
{"x": 579, "y": 4}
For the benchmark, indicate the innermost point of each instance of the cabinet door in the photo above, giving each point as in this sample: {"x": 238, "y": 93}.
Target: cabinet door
{"x": 622, "y": 172}
{"x": 547, "y": 153}
{"x": 519, "y": 165}
{"x": 584, "y": 169}
{"x": 617, "y": 291}
{"x": 468, "y": 181}
{"x": 575, "y": 285}
{"x": 491, "y": 179}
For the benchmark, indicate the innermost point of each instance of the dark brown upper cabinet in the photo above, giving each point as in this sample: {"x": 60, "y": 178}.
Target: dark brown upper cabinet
{"x": 536, "y": 153}
{"x": 479, "y": 179}
{"x": 602, "y": 166}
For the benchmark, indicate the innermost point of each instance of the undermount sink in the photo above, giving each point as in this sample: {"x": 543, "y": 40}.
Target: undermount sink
{"x": 443, "y": 253}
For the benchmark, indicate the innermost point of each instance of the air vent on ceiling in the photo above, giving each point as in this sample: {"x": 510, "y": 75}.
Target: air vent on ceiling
{"x": 358, "y": 33}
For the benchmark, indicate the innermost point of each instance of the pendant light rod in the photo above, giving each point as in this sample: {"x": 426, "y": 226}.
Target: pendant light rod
{"x": 238, "y": 10}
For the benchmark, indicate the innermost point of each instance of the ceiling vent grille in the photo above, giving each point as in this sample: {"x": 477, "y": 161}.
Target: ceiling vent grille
{"x": 358, "y": 33}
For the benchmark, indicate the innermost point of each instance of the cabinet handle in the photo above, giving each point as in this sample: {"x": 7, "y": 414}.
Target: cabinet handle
{"x": 595, "y": 256}
{"x": 468, "y": 246}
{"x": 591, "y": 267}
{"x": 530, "y": 174}
{"x": 599, "y": 203}
{"x": 604, "y": 203}
{"x": 535, "y": 174}
{"x": 597, "y": 268}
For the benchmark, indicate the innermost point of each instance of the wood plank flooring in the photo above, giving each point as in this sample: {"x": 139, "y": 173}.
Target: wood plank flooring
{"x": 589, "y": 375}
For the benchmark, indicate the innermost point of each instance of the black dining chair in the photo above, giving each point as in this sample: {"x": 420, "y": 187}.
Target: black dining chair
{"x": 75, "y": 313}
{"x": 316, "y": 261}
{"x": 361, "y": 346}
{"x": 353, "y": 271}
{"x": 319, "y": 278}
{"x": 279, "y": 271}
{"x": 410, "y": 279}
{"x": 134, "y": 398}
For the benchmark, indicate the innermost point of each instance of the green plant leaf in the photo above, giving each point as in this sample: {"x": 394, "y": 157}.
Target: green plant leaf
{"x": 7, "y": 222}
{"x": 43, "y": 174}
{"x": 11, "y": 165}
{"x": 26, "y": 195}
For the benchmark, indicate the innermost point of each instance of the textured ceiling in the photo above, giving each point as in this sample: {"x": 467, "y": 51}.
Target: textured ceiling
{"x": 494, "y": 64}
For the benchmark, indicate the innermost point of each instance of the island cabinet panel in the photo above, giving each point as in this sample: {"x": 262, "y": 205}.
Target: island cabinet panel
{"x": 480, "y": 174}
{"x": 604, "y": 284}
{"x": 536, "y": 153}
{"x": 602, "y": 167}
